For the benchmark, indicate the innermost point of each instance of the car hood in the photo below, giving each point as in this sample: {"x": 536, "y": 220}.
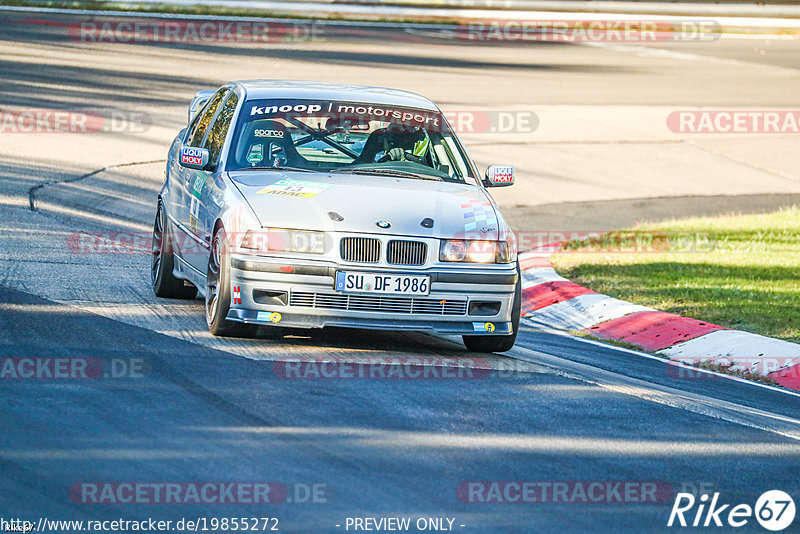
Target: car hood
{"x": 363, "y": 200}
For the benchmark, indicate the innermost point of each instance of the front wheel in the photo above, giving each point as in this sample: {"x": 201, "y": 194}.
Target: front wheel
{"x": 500, "y": 343}
{"x": 218, "y": 291}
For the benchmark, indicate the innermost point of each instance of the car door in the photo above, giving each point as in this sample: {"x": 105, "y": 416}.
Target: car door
{"x": 204, "y": 191}
{"x": 191, "y": 248}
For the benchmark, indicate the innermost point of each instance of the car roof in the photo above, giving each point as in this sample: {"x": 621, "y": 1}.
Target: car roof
{"x": 297, "y": 89}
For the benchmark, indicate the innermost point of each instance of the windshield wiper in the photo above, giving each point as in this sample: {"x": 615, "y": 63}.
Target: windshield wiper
{"x": 275, "y": 168}
{"x": 389, "y": 172}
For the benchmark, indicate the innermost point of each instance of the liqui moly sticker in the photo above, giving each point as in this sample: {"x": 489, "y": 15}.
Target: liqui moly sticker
{"x": 503, "y": 175}
{"x": 191, "y": 156}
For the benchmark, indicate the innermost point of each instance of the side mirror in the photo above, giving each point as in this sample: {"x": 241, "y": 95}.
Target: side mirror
{"x": 194, "y": 158}
{"x": 199, "y": 100}
{"x": 499, "y": 176}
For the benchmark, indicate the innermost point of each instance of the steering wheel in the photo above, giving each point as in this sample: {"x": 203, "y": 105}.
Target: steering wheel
{"x": 408, "y": 156}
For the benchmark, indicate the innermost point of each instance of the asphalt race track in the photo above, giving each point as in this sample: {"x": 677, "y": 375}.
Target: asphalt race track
{"x": 178, "y": 405}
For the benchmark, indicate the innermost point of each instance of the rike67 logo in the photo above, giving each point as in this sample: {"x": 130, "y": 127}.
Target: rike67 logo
{"x": 774, "y": 510}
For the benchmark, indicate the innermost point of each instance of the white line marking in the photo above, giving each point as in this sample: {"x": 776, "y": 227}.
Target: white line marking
{"x": 646, "y": 51}
{"x": 684, "y": 400}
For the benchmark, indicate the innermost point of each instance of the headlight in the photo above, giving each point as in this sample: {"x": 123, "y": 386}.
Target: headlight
{"x": 453, "y": 251}
{"x": 477, "y": 251}
{"x": 482, "y": 251}
{"x": 284, "y": 240}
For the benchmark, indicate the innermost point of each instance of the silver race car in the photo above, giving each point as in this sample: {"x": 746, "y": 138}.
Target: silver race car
{"x": 305, "y": 204}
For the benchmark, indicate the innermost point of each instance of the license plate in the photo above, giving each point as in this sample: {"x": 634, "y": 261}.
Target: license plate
{"x": 385, "y": 284}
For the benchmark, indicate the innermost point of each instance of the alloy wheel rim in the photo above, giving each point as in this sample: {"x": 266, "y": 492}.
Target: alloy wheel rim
{"x": 212, "y": 281}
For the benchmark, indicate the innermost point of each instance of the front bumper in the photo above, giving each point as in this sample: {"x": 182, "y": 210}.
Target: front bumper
{"x": 301, "y": 294}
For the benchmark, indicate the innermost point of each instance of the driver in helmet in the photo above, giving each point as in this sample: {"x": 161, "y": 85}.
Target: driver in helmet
{"x": 405, "y": 144}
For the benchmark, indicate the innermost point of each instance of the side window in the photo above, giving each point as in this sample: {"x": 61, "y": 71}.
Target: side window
{"x": 199, "y": 128}
{"x": 216, "y": 136}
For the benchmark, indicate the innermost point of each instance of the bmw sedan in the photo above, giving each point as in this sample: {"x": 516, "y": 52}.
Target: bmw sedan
{"x": 305, "y": 205}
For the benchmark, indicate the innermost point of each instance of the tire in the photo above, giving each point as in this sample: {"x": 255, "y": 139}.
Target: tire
{"x": 165, "y": 284}
{"x": 218, "y": 291}
{"x": 500, "y": 343}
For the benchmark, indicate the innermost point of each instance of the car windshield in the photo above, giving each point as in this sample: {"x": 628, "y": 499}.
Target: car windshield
{"x": 325, "y": 136}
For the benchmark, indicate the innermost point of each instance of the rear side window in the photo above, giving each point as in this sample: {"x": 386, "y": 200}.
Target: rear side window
{"x": 218, "y": 132}
{"x": 200, "y": 126}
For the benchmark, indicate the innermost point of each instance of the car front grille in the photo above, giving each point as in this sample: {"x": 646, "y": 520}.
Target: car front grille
{"x": 360, "y": 249}
{"x": 406, "y": 253}
{"x": 375, "y": 303}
